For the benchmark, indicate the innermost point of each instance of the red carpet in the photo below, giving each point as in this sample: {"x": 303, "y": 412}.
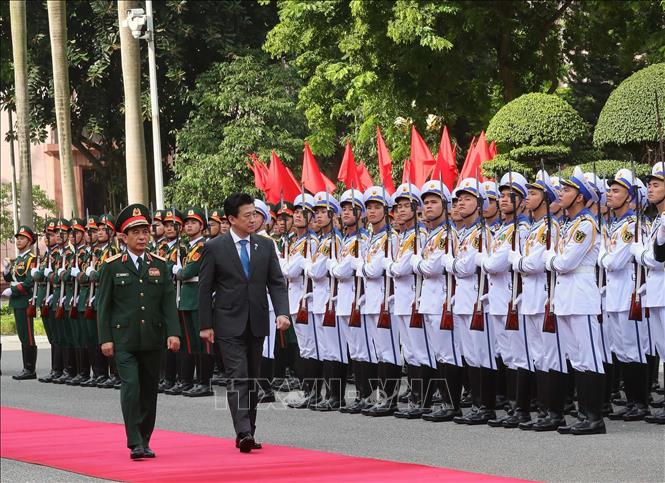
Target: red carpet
{"x": 97, "y": 449}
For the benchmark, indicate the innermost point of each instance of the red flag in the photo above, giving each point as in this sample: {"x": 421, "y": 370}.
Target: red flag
{"x": 469, "y": 167}
{"x": 311, "y": 177}
{"x": 364, "y": 177}
{"x": 422, "y": 161}
{"x": 446, "y": 164}
{"x": 493, "y": 151}
{"x": 280, "y": 182}
{"x": 348, "y": 172}
{"x": 260, "y": 171}
{"x": 407, "y": 171}
{"x": 385, "y": 163}
{"x": 476, "y": 156}
{"x": 483, "y": 149}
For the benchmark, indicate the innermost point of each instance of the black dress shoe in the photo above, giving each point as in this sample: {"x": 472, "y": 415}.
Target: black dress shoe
{"x": 265, "y": 397}
{"x": 357, "y": 407}
{"x": 200, "y": 390}
{"x": 217, "y": 380}
{"x": 49, "y": 377}
{"x": 75, "y": 381}
{"x": 62, "y": 379}
{"x": 24, "y": 375}
{"x": 619, "y": 413}
{"x": 90, "y": 382}
{"x": 517, "y": 418}
{"x": 256, "y": 445}
{"x": 656, "y": 418}
{"x": 307, "y": 401}
{"x": 637, "y": 413}
{"x": 413, "y": 412}
{"x": 589, "y": 427}
{"x": 385, "y": 408}
{"x": 550, "y": 423}
{"x": 137, "y": 453}
{"x": 466, "y": 401}
{"x": 164, "y": 385}
{"x": 442, "y": 415}
{"x": 482, "y": 416}
{"x": 657, "y": 403}
{"x": 148, "y": 452}
{"x": 177, "y": 389}
{"x": 328, "y": 405}
{"x": 568, "y": 429}
{"x": 246, "y": 443}
{"x": 498, "y": 422}
{"x": 109, "y": 383}
{"x": 405, "y": 396}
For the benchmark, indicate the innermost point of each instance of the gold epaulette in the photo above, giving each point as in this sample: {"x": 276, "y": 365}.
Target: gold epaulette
{"x": 153, "y": 255}
{"x": 114, "y": 257}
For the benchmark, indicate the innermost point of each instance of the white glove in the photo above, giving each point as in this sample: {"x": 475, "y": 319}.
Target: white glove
{"x": 33, "y": 272}
{"x": 637, "y": 249}
{"x": 47, "y": 272}
{"x": 660, "y": 234}
{"x": 603, "y": 289}
{"x": 601, "y": 254}
{"x": 176, "y": 268}
{"x": 518, "y": 300}
{"x": 548, "y": 255}
{"x": 642, "y": 290}
{"x": 7, "y": 292}
{"x": 60, "y": 271}
{"x": 452, "y": 302}
{"x": 331, "y": 263}
{"x": 485, "y": 297}
{"x": 92, "y": 299}
{"x": 358, "y": 265}
{"x": 5, "y": 265}
{"x": 512, "y": 256}
{"x": 448, "y": 261}
{"x": 88, "y": 271}
{"x": 306, "y": 264}
{"x": 415, "y": 260}
{"x": 14, "y": 284}
{"x": 386, "y": 263}
{"x": 479, "y": 259}
{"x": 48, "y": 299}
{"x": 74, "y": 272}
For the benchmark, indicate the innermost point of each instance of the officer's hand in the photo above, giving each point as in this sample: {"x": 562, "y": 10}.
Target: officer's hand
{"x": 107, "y": 349}
{"x": 7, "y": 292}
{"x": 283, "y": 322}
{"x": 207, "y": 335}
{"x": 173, "y": 343}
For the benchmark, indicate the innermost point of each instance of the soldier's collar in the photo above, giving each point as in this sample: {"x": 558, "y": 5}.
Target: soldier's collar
{"x": 194, "y": 242}
{"x": 625, "y": 215}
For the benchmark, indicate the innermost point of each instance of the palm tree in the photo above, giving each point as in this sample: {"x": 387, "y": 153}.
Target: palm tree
{"x": 137, "y": 173}
{"x": 57, "y": 21}
{"x": 20, "y": 56}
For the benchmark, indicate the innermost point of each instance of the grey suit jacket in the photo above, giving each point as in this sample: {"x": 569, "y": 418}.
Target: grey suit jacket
{"x": 240, "y": 300}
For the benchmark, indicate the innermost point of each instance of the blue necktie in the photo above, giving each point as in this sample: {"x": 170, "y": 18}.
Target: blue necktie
{"x": 244, "y": 256}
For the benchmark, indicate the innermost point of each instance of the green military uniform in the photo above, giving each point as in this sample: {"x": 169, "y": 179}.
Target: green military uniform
{"x": 136, "y": 311}
{"x": 18, "y": 274}
{"x": 193, "y": 346}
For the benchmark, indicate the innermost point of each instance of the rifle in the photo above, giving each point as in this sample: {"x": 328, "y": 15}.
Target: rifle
{"x": 354, "y": 320}
{"x": 512, "y": 320}
{"x": 600, "y": 276}
{"x": 329, "y": 315}
{"x": 31, "y": 310}
{"x": 549, "y": 322}
{"x": 60, "y": 309}
{"x": 447, "y": 322}
{"x": 301, "y": 316}
{"x": 416, "y": 320}
{"x": 44, "y": 309}
{"x": 178, "y": 283}
{"x": 89, "y": 312}
{"x": 635, "y": 312}
{"x": 389, "y": 288}
{"x": 478, "y": 317}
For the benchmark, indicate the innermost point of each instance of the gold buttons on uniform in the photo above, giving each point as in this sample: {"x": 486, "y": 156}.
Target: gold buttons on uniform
{"x": 141, "y": 294}
{"x": 117, "y": 326}
{"x": 140, "y": 280}
{"x": 142, "y": 308}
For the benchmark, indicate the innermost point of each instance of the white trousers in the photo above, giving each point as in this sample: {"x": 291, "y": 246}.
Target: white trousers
{"x": 446, "y": 344}
{"x": 656, "y": 328}
{"x": 545, "y": 348}
{"x": 334, "y": 340}
{"x": 525, "y": 344}
{"x": 361, "y": 345}
{"x": 386, "y": 341}
{"x": 269, "y": 342}
{"x": 308, "y": 338}
{"x": 416, "y": 344}
{"x": 580, "y": 335}
{"x": 632, "y": 341}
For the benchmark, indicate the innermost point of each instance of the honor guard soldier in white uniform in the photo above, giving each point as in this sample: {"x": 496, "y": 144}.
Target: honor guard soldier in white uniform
{"x": 542, "y": 347}
{"x": 375, "y": 310}
{"x": 468, "y": 302}
{"x": 300, "y": 251}
{"x": 332, "y": 343}
{"x": 416, "y": 345}
{"x": 349, "y": 293}
{"x": 501, "y": 343}
{"x": 577, "y": 300}
{"x": 630, "y": 337}
{"x": 653, "y": 297}
{"x": 492, "y": 212}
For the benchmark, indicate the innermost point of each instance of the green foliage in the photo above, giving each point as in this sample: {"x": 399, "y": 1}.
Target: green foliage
{"x": 502, "y": 163}
{"x": 42, "y": 204}
{"x": 607, "y": 168}
{"x": 243, "y": 106}
{"x": 629, "y": 115}
{"x": 537, "y": 119}
{"x": 549, "y": 153}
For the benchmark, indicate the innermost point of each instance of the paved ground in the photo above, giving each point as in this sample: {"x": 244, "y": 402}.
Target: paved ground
{"x": 632, "y": 452}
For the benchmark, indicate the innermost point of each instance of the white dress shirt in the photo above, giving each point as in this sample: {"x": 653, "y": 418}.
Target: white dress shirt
{"x": 236, "y": 242}
{"x": 135, "y": 258}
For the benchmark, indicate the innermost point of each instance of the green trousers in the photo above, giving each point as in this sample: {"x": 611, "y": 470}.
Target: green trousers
{"x": 139, "y": 373}
{"x": 24, "y": 327}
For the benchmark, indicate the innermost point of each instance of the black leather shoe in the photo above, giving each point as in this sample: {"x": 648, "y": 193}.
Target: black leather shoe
{"x": 385, "y": 408}
{"x": 24, "y": 375}
{"x": 442, "y": 415}
{"x": 246, "y": 443}
{"x": 466, "y": 401}
{"x": 62, "y": 379}
{"x": 305, "y": 402}
{"x": 148, "y": 452}
{"x": 516, "y": 419}
{"x": 265, "y": 397}
{"x": 90, "y": 382}
{"x": 528, "y": 424}
{"x": 619, "y": 413}
{"x": 328, "y": 405}
{"x": 109, "y": 383}
{"x": 49, "y": 377}
{"x": 498, "y": 422}
{"x": 199, "y": 390}
{"x": 218, "y": 380}
{"x": 657, "y": 403}
{"x": 405, "y": 396}
{"x": 637, "y": 413}
{"x": 137, "y": 453}
{"x": 549, "y": 424}
{"x": 357, "y": 407}
{"x": 412, "y": 412}
{"x": 589, "y": 427}
{"x": 178, "y": 389}
{"x": 568, "y": 429}
{"x": 75, "y": 381}
{"x": 656, "y": 418}
{"x": 164, "y": 385}
{"x": 256, "y": 444}
{"x": 481, "y": 416}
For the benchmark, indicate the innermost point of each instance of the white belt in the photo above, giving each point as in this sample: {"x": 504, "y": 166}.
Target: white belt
{"x": 584, "y": 269}
{"x": 191, "y": 280}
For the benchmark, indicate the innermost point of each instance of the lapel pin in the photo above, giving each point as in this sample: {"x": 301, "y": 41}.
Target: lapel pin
{"x": 256, "y": 245}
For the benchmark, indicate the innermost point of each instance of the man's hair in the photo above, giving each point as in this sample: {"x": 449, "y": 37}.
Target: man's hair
{"x": 233, "y": 203}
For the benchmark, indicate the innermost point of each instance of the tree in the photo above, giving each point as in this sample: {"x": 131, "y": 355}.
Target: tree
{"x": 243, "y": 106}
{"x": 42, "y": 203}
{"x": 58, "y": 33}
{"x": 536, "y": 126}
{"x": 135, "y": 159}
{"x": 628, "y": 120}
{"x": 19, "y": 48}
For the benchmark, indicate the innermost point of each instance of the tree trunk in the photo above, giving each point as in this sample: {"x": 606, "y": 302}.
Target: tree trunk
{"x": 57, "y": 21}
{"x": 20, "y": 55}
{"x": 137, "y": 171}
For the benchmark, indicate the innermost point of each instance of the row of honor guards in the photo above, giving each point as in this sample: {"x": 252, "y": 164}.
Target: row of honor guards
{"x": 511, "y": 295}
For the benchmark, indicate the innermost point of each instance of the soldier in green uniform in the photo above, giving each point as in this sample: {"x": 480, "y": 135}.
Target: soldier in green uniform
{"x": 58, "y": 308}
{"x": 20, "y": 293}
{"x": 157, "y": 232}
{"x": 187, "y": 274}
{"x": 215, "y": 221}
{"x": 137, "y": 318}
{"x": 43, "y": 277}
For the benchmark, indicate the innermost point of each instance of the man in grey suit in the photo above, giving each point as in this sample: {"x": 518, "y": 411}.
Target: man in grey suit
{"x": 237, "y": 267}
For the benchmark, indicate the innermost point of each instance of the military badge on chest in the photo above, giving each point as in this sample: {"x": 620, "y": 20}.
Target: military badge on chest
{"x": 154, "y": 272}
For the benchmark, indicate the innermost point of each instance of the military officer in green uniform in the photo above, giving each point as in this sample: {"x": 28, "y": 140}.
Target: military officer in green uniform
{"x": 157, "y": 232}
{"x": 20, "y": 293}
{"x": 187, "y": 274}
{"x": 137, "y": 318}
